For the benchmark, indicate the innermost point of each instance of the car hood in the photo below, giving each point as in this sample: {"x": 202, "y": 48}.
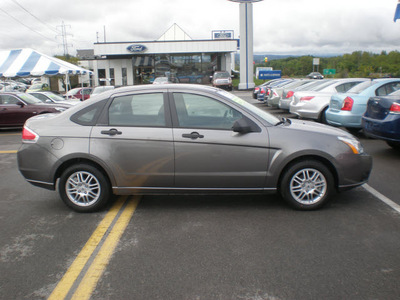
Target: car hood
{"x": 315, "y": 127}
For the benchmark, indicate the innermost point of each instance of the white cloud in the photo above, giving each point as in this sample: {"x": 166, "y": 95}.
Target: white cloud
{"x": 280, "y": 26}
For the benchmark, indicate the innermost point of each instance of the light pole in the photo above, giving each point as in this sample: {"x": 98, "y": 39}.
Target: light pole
{"x": 246, "y": 44}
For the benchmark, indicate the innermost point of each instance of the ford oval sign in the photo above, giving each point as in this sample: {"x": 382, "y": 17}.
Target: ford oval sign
{"x": 136, "y": 48}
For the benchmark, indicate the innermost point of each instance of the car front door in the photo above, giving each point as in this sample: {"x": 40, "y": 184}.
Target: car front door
{"x": 135, "y": 141}
{"x": 208, "y": 154}
{"x": 13, "y": 112}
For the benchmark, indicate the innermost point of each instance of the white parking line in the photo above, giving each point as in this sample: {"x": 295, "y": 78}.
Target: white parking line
{"x": 383, "y": 198}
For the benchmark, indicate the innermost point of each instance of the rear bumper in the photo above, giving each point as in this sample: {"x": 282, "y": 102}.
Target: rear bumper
{"x": 387, "y": 129}
{"x": 343, "y": 118}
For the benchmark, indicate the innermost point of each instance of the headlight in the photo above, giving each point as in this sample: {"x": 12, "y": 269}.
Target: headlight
{"x": 353, "y": 143}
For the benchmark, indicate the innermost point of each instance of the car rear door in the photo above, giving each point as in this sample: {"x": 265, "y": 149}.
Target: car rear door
{"x": 135, "y": 141}
{"x": 208, "y": 154}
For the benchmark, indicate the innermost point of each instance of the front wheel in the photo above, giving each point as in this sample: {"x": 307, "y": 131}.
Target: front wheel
{"x": 84, "y": 188}
{"x": 307, "y": 185}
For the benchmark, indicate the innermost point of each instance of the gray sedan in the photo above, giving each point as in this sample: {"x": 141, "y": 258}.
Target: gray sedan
{"x": 185, "y": 139}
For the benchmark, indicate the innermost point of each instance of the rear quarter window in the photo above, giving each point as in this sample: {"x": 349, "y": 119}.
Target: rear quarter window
{"x": 89, "y": 115}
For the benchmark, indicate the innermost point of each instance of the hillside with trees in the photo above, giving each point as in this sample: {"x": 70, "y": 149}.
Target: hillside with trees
{"x": 356, "y": 64}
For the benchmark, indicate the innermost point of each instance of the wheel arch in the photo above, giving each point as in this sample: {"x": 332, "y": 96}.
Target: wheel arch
{"x": 326, "y": 162}
{"x": 79, "y": 160}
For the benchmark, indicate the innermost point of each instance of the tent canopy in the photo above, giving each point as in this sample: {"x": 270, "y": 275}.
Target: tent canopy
{"x": 28, "y": 62}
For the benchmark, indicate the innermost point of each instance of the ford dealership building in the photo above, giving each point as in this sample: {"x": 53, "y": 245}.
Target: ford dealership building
{"x": 174, "y": 55}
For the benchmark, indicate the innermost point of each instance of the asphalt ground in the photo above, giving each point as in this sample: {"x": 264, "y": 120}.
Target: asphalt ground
{"x": 200, "y": 247}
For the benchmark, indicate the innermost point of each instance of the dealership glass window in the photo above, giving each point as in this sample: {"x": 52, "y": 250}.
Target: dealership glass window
{"x": 194, "y": 68}
{"x": 124, "y": 76}
{"x": 112, "y": 76}
{"x": 101, "y": 75}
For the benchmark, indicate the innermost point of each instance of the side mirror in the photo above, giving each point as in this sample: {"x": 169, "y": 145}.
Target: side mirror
{"x": 20, "y": 103}
{"x": 241, "y": 126}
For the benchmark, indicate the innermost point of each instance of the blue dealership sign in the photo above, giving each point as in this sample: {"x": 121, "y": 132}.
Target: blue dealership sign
{"x": 136, "y": 48}
{"x": 263, "y": 74}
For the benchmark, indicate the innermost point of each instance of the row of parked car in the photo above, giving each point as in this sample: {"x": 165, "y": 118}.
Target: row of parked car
{"x": 371, "y": 105}
{"x": 16, "y": 107}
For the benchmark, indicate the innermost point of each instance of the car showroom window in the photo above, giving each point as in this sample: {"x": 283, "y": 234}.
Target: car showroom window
{"x": 196, "y": 111}
{"x": 143, "y": 110}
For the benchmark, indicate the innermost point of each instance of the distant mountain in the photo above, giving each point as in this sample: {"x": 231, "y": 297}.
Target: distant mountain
{"x": 259, "y": 57}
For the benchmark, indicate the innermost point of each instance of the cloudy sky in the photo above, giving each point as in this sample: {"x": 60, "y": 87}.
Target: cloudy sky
{"x": 280, "y": 26}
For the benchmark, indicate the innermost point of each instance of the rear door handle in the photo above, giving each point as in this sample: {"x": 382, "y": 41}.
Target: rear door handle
{"x": 193, "y": 135}
{"x": 111, "y": 132}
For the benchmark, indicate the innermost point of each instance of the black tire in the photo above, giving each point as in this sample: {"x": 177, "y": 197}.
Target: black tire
{"x": 353, "y": 131}
{"x": 322, "y": 116}
{"x": 307, "y": 185}
{"x": 84, "y": 188}
{"x": 394, "y": 145}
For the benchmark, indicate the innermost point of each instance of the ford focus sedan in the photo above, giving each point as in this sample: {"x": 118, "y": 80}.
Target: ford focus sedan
{"x": 163, "y": 139}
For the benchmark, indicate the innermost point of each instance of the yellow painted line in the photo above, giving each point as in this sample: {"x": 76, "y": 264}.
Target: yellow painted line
{"x": 8, "y": 151}
{"x": 89, "y": 282}
{"x": 69, "y": 278}
{"x": 3, "y": 134}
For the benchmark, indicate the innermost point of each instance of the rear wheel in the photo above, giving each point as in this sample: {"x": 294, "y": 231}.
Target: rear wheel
{"x": 394, "y": 145}
{"x": 307, "y": 185}
{"x": 84, "y": 188}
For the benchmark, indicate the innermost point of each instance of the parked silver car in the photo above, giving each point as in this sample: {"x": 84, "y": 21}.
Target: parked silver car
{"x": 287, "y": 95}
{"x": 185, "y": 139}
{"x": 276, "y": 93}
{"x": 313, "y": 104}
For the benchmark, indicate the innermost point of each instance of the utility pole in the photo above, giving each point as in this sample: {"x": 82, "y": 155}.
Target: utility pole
{"x": 64, "y": 35}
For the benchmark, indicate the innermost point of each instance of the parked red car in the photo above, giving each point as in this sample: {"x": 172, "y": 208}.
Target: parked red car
{"x": 80, "y": 93}
{"x": 16, "y": 108}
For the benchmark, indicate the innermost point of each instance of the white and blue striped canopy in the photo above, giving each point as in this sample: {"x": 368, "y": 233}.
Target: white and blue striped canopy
{"x": 28, "y": 62}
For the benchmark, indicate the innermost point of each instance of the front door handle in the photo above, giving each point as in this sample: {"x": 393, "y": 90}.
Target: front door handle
{"x": 111, "y": 132}
{"x": 193, "y": 135}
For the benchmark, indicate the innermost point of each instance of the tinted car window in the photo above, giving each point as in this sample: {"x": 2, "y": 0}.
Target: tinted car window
{"x": 88, "y": 116}
{"x": 342, "y": 88}
{"x": 198, "y": 111}
{"x": 145, "y": 110}
{"x": 387, "y": 89}
{"x": 8, "y": 99}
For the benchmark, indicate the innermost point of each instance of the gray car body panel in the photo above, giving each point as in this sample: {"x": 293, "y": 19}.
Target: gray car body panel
{"x": 160, "y": 160}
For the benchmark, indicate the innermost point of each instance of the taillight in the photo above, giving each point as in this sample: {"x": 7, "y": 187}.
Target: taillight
{"x": 289, "y": 94}
{"x": 307, "y": 98}
{"x": 262, "y": 91}
{"x": 348, "y": 104}
{"x": 256, "y": 89}
{"x": 268, "y": 92}
{"x": 28, "y": 136}
{"x": 395, "y": 108}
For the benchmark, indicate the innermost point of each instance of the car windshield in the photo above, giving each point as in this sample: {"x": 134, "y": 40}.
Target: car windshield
{"x": 73, "y": 91}
{"x": 221, "y": 75}
{"x": 54, "y": 97}
{"x": 29, "y": 98}
{"x": 36, "y": 86}
{"x": 100, "y": 89}
{"x": 271, "y": 119}
{"x": 360, "y": 87}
